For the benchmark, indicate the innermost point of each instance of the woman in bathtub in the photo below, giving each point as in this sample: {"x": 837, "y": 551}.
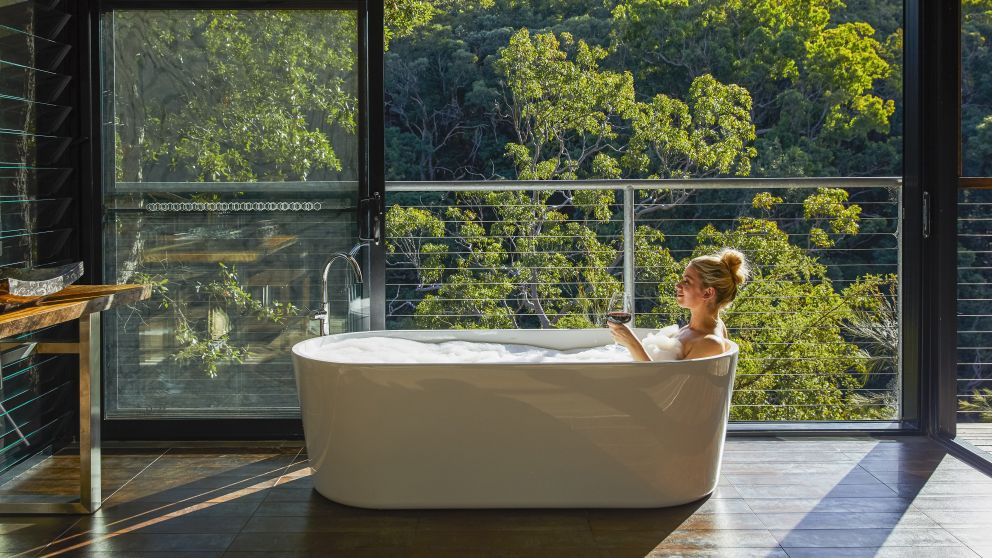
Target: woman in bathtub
{"x": 708, "y": 285}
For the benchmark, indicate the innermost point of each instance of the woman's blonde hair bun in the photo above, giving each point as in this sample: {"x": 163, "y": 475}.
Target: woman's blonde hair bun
{"x": 735, "y": 262}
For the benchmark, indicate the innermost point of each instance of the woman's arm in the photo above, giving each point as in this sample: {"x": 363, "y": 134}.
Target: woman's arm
{"x": 623, "y": 335}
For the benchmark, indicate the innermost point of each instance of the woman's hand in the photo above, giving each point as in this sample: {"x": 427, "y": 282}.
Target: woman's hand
{"x": 623, "y": 335}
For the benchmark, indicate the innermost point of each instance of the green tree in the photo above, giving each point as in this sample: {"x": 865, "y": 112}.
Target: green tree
{"x": 403, "y": 17}
{"x": 812, "y": 80}
{"x": 234, "y": 96}
{"x": 685, "y": 89}
{"x": 563, "y": 112}
{"x": 976, "y": 87}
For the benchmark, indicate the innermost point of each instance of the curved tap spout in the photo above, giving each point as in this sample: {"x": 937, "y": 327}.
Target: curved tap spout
{"x": 356, "y": 269}
{"x": 325, "y": 303}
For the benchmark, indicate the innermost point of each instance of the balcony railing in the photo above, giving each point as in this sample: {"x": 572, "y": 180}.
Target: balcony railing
{"x": 819, "y": 322}
{"x": 974, "y": 274}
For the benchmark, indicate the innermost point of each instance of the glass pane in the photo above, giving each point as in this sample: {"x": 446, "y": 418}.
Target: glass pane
{"x": 976, "y": 89}
{"x": 628, "y": 89}
{"x": 513, "y": 90}
{"x": 232, "y": 160}
{"x": 974, "y": 373}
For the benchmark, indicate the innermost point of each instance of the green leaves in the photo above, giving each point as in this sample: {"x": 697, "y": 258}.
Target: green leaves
{"x": 260, "y": 96}
{"x": 568, "y": 114}
{"x": 510, "y": 259}
{"x": 714, "y": 136}
{"x": 828, "y": 205}
{"x": 403, "y": 16}
{"x": 800, "y": 359}
{"x": 843, "y": 63}
{"x": 978, "y": 402}
{"x": 765, "y": 200}
{"x": 204, "y": 341}
{"x": 819, "y": 83}
{"x": 564, "y": 111}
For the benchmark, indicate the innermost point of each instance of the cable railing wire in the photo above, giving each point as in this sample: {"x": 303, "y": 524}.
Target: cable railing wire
{"x": 974, "y": 366}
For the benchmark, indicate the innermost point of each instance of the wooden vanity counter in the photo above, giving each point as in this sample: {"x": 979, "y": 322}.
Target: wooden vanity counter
{"x": 81, "y": 303}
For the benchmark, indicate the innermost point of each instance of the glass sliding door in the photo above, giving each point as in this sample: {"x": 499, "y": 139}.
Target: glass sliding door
{"x": 974, "y": 228}
{"x": 231, "y": 153}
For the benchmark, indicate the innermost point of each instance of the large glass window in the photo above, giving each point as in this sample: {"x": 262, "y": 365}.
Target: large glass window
{"x": 574, "y": 97}
{"x": 974, "y": 350}
{"x": 231, "y": 161}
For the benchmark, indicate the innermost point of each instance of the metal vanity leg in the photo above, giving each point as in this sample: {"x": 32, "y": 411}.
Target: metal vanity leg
{"x": 90, "y": 495}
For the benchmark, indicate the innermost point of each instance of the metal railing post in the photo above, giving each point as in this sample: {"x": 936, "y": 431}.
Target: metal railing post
{"x": 628, "y": 248}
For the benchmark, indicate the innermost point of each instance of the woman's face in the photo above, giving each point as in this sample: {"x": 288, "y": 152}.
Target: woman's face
{"x": 689, "y": 292}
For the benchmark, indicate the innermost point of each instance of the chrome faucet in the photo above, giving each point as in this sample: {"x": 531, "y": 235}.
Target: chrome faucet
{"x": 325, "y": 303}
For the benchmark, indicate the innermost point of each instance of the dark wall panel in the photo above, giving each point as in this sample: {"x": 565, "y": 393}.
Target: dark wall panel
{"x": 39, "y": 207}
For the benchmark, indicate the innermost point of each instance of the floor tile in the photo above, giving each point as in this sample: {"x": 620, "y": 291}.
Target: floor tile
{"x": 884, "y": 552}
{"x": 846, "y": 476}
{"x": 817, "y": 490}
{"x": 858, "y": 520}
{"x": 864, "y": 537}
{"x": 975, "y": 537}
{"x": 91, "y": 553}
{"x": 696, "y": 540}
{"x": 829, "y": 505}
{"x": 165, "y": 523}
{"x": 148, "y": 542}
{"x": 772, "y": 552}
{"x": 337, "y": 541}
{"x": 962, "y": 519}
{"x": 953, "y": 503}
{"x": 317, "y": 524}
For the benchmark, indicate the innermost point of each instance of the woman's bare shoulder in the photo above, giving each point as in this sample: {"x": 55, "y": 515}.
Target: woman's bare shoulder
{"x": 708, "y": 345}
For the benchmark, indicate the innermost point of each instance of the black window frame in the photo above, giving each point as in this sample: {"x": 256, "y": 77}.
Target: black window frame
{"x": 930, "y": 167}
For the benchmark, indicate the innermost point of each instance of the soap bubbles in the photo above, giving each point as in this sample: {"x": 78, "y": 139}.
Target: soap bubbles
{"x": 660, "y": 345}
{"x": 663, "y": 344}
{"x": 405, "y": 351}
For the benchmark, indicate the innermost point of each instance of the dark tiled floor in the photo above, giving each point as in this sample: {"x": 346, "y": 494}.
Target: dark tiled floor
{"x": 791, "y": 498}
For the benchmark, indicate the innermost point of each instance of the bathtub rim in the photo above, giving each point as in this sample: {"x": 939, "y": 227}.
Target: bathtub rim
{"x": 299, "y": 346}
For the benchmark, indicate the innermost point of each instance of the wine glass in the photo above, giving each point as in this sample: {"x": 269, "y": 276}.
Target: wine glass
{"x": 618, "y": 309}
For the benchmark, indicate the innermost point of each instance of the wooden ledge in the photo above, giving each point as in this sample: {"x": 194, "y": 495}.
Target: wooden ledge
{"x": 71, "y": 303}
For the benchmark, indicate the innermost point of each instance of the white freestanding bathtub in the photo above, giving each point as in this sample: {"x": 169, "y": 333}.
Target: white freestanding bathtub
{"x": 555, "y": 435}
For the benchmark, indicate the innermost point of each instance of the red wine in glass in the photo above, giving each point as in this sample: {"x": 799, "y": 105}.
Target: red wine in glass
{"x": 618, "y": 317}
{"x": 618, "y": 309}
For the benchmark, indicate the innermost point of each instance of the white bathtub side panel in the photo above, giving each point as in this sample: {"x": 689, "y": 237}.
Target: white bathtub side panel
{"x": 483, "y": 436}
